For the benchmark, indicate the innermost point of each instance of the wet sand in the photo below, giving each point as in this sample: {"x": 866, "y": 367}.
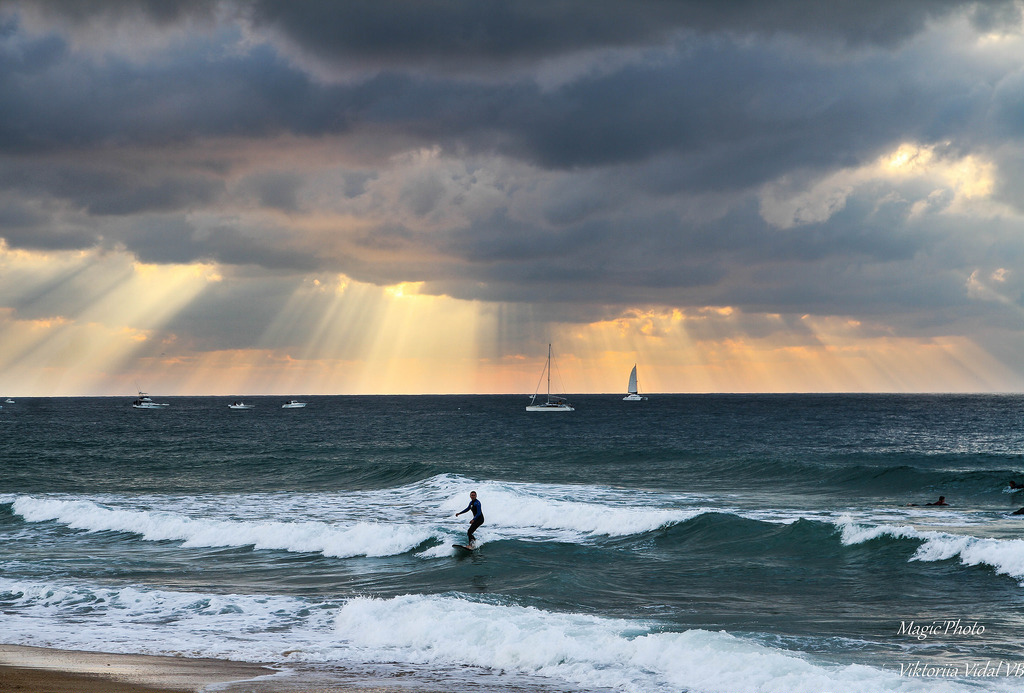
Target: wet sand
{"x": 41, "y": 670}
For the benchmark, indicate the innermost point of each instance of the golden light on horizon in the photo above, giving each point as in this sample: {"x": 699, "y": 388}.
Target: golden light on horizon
{"x": 340, "y": 336}
{"x": 719, "y": 349}
{"x": 335, "y": 335}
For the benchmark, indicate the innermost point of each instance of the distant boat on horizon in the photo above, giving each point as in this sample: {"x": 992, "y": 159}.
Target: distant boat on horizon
{"x": 143, "y": 401}
{"x": 552, "y": 402}
{"x": 633, "y": 388}
{"x": 241, "y": 405}
{"x": 293, "y": 404}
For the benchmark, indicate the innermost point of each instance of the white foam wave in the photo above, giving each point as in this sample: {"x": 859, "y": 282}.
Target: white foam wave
{"x": 438, "y": 631}
{"x": 393, "y": 521}
{"x": 356, "y": 539}
{"x": 1004, "y": 556}
{"x": 371, "y": 523}
{"x": 591, "y": 651}
{"x": 134, "y": 620}
{"x": 856, "y": 533}
{"x": 572, "y": 513}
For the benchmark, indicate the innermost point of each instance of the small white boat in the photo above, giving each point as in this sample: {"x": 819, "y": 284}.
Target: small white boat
{"x": 241, "y": 405}
{"x": 293, "y": 404}
{"x": 8, "y": 401}
{"x": 552, "y": 402}
{"x": 144, "y": 402}
{"x": 633, "y": 396}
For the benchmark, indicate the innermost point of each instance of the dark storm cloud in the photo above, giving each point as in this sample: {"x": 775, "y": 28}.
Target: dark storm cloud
{"x": 171, "y": 239}
{"x": 408, "y": 31}
{"x": 736, "y": 117}
{"x": 654, "y": 258}
{"x": 73, "y": 102}
{"x": 714, "y": 93}
{"x": 275, "y": 190}
{"x": 25, "y": 227}
{"x": 737, "y": 113}
{"x": 669, "y": 100}
{"x": 76, "y": 197}
{"x": 230, "y": 246}
{"x": 161, "y": 12}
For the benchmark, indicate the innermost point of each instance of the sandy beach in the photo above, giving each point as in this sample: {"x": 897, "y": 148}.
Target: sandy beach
{"x": 41, "y": 670}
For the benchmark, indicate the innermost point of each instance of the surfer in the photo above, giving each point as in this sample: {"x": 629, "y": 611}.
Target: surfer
{"x": 478, "y": 516}
{"x": 941, "y": 501}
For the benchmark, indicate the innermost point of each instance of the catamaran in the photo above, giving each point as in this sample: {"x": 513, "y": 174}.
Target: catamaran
{"x": 553, "y": 402}
{"x": 633, "y": 396}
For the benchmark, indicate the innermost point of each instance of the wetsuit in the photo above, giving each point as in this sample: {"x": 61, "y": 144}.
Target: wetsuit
{"x": 478, "y": 517}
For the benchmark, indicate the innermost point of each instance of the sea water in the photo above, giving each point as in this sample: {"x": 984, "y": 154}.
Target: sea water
{"x": 714, "y": 543}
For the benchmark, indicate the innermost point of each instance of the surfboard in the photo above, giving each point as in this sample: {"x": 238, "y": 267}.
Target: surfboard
{"x": 463, "y": 547}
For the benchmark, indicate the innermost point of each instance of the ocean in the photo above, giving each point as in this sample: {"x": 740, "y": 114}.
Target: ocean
{"x": 704, "y": 543}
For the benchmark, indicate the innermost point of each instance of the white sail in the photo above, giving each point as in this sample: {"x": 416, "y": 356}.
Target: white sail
{"x": 633, "y": 388}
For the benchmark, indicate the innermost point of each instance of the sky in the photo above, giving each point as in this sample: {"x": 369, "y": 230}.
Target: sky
{"x": 418, "y": 196}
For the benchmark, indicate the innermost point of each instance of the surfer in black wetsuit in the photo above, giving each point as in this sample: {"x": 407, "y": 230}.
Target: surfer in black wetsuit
{"x": 478, "y": 516}
{"x": 941, "y": 501}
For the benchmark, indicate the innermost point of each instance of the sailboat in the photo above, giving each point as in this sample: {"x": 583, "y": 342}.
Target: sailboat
{"x": 552, "y": 403}
{"x": 633, "y": 396}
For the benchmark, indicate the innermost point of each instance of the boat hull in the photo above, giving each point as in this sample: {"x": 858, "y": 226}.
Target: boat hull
{"x": 143, "y": 401}
{"x": 550, "y": 407}
{"x": 553, "y": 403}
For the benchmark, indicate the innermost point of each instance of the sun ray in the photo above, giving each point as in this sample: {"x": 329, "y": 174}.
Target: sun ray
{"x": 118, "y": 304}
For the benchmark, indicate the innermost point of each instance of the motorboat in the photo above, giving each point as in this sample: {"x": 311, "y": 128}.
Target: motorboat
{"x": 143, "y": 401}
{"x": 293, "y": 404}
{"x": 551, "y": 402}
{"x": 241, "y": 405}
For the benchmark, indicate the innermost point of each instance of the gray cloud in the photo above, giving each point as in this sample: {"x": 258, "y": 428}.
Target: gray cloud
{"x": 450, "y": 31}
{"x": 638, "y": 166}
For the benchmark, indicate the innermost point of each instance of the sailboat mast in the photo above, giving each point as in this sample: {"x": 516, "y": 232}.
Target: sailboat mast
{"x": 549, "y": 371}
